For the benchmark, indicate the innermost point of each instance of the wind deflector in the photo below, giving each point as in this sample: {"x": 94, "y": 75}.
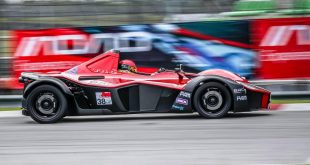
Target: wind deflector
{"x": 104, "y": 63}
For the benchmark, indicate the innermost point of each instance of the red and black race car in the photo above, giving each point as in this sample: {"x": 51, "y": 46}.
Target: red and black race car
{"x": 105, "y": 85}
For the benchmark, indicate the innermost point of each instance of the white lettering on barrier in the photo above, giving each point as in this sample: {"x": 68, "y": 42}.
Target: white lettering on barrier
{"x": 82, "y": 44}
{"x": 281, "y": 35}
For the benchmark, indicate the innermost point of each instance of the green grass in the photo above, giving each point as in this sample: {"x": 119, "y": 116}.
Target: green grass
{"x": 10, "y": 109}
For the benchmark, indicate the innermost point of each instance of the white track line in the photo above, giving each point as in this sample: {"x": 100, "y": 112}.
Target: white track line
{"x": 11, "y": 114}
{"x": 295, "y": 107}
{"x": 307, "y": 161}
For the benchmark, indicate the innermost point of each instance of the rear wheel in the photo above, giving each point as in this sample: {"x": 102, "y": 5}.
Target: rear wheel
{"x": 212, "y": 100}
{"x": 46, "y": 104}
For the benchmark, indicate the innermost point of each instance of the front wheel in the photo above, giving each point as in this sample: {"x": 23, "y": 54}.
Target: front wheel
{"x": 46, "y": 104}
{"x": 212, "y": 100}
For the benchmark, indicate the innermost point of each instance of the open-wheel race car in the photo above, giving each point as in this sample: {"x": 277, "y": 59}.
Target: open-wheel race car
{"x": 106, "y": 84}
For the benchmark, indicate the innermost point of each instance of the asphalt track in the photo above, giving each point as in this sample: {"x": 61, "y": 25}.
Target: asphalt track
{"x": 248, "y": 138}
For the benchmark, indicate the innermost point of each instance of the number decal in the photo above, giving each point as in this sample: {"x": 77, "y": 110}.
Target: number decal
{"x": 103, "y": 98}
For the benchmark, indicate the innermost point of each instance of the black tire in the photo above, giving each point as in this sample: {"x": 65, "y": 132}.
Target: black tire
{"x": 212, "y": 100}
{"x": 46, "y": 104}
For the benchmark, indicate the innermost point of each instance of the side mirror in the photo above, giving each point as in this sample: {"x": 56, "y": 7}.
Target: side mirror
{"x": 161, "y": 70}
{"x": 179, "y": 68}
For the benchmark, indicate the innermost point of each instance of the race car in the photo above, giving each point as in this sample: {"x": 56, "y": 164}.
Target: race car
{"x": 108, "y": 85}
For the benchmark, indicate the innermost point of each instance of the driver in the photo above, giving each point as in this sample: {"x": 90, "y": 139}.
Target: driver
{"x": 127, "y": 66}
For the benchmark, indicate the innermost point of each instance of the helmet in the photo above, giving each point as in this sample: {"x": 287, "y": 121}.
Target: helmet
{"x": 128, "y": 65}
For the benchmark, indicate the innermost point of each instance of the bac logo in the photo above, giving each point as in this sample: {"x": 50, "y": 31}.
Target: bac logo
{"x": 240, "y": 90}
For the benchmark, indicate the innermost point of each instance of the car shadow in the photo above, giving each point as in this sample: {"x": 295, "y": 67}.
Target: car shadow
{"x": 193, "y": 116}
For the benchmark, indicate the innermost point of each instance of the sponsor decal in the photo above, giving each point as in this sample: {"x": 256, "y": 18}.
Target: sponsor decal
{"x": 97, "y": 82}
{"x": 240, "y": 90}
{"x": 182, "y": 101}
{"x": 178, "y": 107}
{"x": 242, "y": 98}
{"x": 185, "y": 94}
{"x": 103, "y": 98}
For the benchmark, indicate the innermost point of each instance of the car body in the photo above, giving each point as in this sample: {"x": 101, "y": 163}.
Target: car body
{"x": 99, "y": 87}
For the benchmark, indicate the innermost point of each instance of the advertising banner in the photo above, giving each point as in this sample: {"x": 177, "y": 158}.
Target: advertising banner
{"x": 283, "y": 46}
{"x": 198, "y": 46}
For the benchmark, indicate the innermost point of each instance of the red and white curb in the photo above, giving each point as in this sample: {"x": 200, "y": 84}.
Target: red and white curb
{"x": 273, "y": 107}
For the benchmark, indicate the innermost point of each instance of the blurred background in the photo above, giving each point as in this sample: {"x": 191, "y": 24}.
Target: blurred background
{"x": 266, "y": 41}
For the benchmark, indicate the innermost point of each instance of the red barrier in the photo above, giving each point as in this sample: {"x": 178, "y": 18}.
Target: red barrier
{"x": 34, "y": 51}
{"x": 150, "y": 46}
{"x": 283, "y": 45}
